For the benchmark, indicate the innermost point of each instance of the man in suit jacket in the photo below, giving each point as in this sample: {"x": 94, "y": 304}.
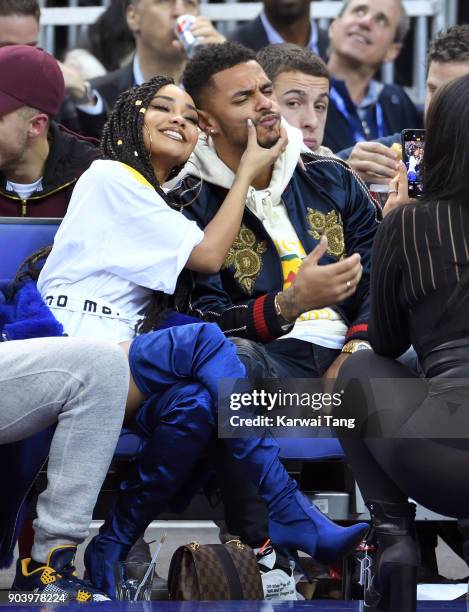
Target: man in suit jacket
{"x": 283, "y": 21}
{"x": 157, "y": 52}
{"x": 365, "y": 34}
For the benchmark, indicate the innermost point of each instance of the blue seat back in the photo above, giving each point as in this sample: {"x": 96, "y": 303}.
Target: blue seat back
{"x": 19, "y": 238}
{"x": 310, "y": 449}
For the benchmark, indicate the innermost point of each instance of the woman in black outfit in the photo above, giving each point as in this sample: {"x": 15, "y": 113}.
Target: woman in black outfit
{"x": 413, "y": 433}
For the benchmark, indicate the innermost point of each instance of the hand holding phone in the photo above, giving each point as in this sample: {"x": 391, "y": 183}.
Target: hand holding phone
{"x": 398, "y": 191}
{"x": 413, "y": 146}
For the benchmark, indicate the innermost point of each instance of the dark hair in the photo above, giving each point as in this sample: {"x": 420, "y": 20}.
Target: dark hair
{"x": 20, "y": 7}
{"x": 446, "y": 155}
{"x": 109, "y": 37}
{"x": 403, "y": 26}
{"x": 210, "y": 60}
{"x": 287, "y": 57}
{"x": 122, "y": 138}
{"x": 122, "y": 141}
{"x": 450, "y": 46}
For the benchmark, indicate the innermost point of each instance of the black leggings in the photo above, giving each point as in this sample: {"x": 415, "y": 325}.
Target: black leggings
{"x": 401, "y": 450}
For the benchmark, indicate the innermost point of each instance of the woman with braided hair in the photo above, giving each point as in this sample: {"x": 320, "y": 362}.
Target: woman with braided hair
{"x": 120, "y": 247}
{"x": 120, "y": 241}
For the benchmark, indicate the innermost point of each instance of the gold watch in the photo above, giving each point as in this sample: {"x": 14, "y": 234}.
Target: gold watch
{"x": 356, "y": 345}
{"x": 287, "y": 325}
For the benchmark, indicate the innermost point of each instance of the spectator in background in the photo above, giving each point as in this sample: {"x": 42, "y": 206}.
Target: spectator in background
{"x": 158, "y": 52}
{"x": 283, "y": 21}
{"x": 109, "y": 37}
{"x": 39, "y": 160}
{"x": 366, "y": 34}
{"x": 19, "y": 22}
{"x": 301, "y": 84}
{"x": 447, "y": 59}
{"x": 19, "y": 25}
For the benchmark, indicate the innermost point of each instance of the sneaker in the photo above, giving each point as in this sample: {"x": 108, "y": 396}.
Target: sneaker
{"x": 56, "y": 577}
{"x": 277, "y": 576}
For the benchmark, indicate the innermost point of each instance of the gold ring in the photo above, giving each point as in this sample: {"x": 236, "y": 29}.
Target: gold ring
{"x": 349, "y": 284}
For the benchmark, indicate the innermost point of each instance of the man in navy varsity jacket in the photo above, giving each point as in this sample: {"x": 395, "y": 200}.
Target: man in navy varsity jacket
{"x": 265, "y": 287}
{"x": 289, "y": 316}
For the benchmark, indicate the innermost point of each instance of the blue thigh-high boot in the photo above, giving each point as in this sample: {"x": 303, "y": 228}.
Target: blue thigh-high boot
{"x": 201, "y": 351}
{"x": 294, "y": 522}
{"x": 178, "y": 424}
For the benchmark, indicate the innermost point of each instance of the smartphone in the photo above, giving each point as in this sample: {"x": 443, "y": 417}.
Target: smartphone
{"x": 413, "y": 146}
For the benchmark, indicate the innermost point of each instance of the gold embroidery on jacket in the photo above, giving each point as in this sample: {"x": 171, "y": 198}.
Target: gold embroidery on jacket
{"x": 245, "y": 256}
{"x": 329, "y": 225}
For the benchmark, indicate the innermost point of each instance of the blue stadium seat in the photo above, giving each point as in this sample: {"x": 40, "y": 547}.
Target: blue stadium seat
{"x": 19, "y": 237}
{"x": 310, "y": 449}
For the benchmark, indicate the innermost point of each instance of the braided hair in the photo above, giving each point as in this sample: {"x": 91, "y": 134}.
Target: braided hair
{"x": 122, "y": 141}
{"x": 122, "y": 138}
{"x": 29, "y": 269}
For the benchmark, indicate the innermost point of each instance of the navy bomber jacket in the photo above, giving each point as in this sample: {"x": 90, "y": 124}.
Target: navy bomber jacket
{"x": 324, "y": 198}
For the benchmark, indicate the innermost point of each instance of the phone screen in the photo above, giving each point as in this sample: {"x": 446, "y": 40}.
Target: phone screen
{"x": 413, "y": 146}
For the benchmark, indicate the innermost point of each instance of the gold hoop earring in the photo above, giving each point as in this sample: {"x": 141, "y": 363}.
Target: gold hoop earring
{"x": 149, "y": 137}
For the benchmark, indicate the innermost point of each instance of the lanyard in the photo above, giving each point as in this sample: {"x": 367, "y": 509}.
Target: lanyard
{"x": 360, "y": 128}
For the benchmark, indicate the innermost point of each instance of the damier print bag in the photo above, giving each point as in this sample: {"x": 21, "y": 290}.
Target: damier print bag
{"x": 214, "y": 572}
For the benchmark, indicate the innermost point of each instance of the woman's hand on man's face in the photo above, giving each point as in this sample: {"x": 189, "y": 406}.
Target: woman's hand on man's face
{"x": 255, "y": 158}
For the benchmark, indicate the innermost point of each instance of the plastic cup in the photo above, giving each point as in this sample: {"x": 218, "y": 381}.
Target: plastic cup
{"x": 379, "y": 192}
{"x": 134, "y": 580}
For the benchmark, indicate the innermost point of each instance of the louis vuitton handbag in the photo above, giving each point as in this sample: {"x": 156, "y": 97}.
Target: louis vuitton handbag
{"x": 214, "y": 571}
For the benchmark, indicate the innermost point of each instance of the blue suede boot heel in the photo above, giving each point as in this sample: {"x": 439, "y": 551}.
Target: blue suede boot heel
{"x": 295, "y": 522}
{"x": 307, "y": 529}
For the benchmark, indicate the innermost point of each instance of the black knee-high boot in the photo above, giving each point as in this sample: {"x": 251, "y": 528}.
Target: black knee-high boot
{"x": 394, "y": 584}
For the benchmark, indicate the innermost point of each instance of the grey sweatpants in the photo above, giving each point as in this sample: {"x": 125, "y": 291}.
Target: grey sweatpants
{"x": 82, "y": 386}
